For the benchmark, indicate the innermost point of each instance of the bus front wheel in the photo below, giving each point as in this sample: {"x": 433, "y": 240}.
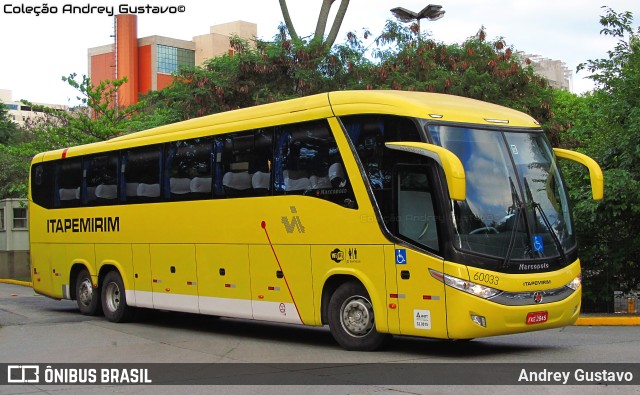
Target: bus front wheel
{"x": 114, "y": 300}
{"x": 351, "y": 318}
{"x": 87, "y": 297}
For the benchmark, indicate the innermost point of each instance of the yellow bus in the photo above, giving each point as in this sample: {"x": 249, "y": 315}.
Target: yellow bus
{"x": 372, "y": 212}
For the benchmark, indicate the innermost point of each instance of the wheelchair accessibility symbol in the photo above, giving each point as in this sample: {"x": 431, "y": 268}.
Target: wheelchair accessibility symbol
{"x": 538, "y": 245}
{"x": 401, "y": 256}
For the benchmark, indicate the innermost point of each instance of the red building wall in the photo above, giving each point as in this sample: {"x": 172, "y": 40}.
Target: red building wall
{"x": 164, "y": 80}
{"x": 127, "y": 57}
{"x": 102, "y": 67}
{"x": 145, "y": 69}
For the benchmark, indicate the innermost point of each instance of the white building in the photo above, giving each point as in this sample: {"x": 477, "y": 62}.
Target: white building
{"x": 14, "y": 239}
{"x": 20, "y": 112}
{"x": 555, "y": 71}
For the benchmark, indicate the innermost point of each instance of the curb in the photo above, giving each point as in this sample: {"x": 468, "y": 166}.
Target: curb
{"x": 16, "y": 282}
{"x": 608, "y": 321}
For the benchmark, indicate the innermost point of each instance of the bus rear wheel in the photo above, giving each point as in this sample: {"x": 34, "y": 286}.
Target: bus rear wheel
{"x": 114, "y": 300}
{"x": 87, "y": 297}
{"x": 351, "y": 318}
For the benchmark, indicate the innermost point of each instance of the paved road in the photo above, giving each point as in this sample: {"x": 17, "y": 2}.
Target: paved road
{"x": 34, "y": 329}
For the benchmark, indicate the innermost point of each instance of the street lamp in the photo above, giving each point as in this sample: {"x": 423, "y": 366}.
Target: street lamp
{"x": 432, "y": 12}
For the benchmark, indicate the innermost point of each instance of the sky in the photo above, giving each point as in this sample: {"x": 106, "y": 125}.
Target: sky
{"x": 37, "y": 50}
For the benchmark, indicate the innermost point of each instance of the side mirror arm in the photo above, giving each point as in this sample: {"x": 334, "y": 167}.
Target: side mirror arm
{"x": 595, "y": 173}
{"x": 450, "y": 163}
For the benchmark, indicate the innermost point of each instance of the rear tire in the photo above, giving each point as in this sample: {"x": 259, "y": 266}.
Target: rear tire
{"x": 351, "y": 318}
{"x": 87, "y": 297}
{"x": 114, "y": 299}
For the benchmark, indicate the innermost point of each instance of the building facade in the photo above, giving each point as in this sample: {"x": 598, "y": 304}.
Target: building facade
{"x": 149, "y": 63}
{"x": 21, "y": 113}
{"x": 555, "y": 71}
{"x": 14, "y": 239}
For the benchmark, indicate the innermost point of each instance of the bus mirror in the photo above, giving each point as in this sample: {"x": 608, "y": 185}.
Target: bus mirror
{"x": 595, "y": 173}
{"x": 449, "y": 162}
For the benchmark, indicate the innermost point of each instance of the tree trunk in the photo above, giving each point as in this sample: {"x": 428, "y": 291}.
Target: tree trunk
{"x": 287, "y": 20}
{"x": 322, "y": 19}
{"x": 337, "y": 23}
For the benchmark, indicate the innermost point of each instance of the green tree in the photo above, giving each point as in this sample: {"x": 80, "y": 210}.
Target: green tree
{"x": 398, "y": 59}
{"x": 605, "y": 125}
{"x": 8, "y": 128}
{"x": 9, "y": 168}
{"x": 95, "y": 119}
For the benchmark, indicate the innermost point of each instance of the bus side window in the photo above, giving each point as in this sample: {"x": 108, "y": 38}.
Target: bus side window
{"x": 42, "y": 184}
{"x": 308, "y": 162}
{"x": 142, "y": 174}
{"x": 416, "y": 219}
{"x": 69, "y": 182}
{"x": 243, "y": 164}
{"x": 101, "y": 179}
{"x": 188, "y": 169}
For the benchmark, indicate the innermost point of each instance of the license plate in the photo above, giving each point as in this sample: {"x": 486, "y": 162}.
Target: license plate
{"x": 537, "y": 318}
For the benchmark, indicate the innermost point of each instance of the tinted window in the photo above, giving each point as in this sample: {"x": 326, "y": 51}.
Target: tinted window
{"x": 102, "y": 179}
{"x": 368, "y": 134}
{"x": 69, "y": 182}
{"x": 188, "y": 174}
{"x": 42, "y": 184}
{"x": 243, "y": 163}
{"x": 308, "y": 162}
{"x": 142, "y": 174}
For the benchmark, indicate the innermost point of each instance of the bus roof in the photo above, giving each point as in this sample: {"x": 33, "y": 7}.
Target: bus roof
{"x": 441, "y": 107}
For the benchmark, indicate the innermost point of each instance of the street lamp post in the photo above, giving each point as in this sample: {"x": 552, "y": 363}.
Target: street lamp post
{"x": 432, "y": 12}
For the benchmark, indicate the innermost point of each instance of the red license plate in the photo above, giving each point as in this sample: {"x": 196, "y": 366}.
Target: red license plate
{"x": 537, "y": 318}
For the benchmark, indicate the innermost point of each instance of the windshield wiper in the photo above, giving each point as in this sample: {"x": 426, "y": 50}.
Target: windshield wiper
{"x": 518, "y": 211}
{"x": 545, "y": 219}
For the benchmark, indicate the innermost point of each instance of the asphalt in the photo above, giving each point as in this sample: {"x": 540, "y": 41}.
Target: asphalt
{"x": 583, "y": 320}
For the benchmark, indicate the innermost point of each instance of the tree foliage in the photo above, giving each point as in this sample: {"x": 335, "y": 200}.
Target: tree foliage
{"x": 8, "y": 128}
{"x": 399, "y": 58}
{"x": 604, "y": 124}
{"x": 95, "y": 119}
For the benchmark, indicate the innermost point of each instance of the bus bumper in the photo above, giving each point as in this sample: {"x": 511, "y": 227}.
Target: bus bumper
{"x": 465, "y": 321}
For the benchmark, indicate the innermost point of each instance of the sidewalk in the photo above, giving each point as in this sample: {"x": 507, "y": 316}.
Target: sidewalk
{"x": 584, "y": 320}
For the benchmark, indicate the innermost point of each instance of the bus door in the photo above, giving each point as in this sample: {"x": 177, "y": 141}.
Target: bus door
{"x": 420, "y": 297}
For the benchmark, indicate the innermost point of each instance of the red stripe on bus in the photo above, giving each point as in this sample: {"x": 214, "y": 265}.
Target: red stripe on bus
{"x": 263, "y": 225}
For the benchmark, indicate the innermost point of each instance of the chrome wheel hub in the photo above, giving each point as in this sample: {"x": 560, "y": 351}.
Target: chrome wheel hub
{"x": 85, "y": 292}
{"x": 113, "y": 296}
{"x": 356, "y": 316}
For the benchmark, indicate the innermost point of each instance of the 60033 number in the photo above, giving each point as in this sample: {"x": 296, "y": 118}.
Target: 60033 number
{"x": 486, "y": 278}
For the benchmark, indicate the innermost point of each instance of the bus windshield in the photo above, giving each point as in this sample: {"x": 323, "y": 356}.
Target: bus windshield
{"x": 516, "y": 205}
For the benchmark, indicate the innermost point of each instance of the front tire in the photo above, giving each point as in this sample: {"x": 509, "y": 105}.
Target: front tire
{"x": 351, "y": 318}
{"x": 114, "y": 300}
{"x": 87, "y": 297}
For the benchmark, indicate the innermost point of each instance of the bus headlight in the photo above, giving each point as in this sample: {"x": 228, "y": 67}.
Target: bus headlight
{"x": 575, "y": 283}
{"x": 478, "y": 290}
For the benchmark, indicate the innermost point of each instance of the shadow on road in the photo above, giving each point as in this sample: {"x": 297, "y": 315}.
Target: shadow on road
{"x": 275, "y": 332}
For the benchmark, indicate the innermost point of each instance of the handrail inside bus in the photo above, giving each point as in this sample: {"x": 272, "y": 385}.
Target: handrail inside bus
{"x": 595, "y": 173}
{"x": 453, "y": 169}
